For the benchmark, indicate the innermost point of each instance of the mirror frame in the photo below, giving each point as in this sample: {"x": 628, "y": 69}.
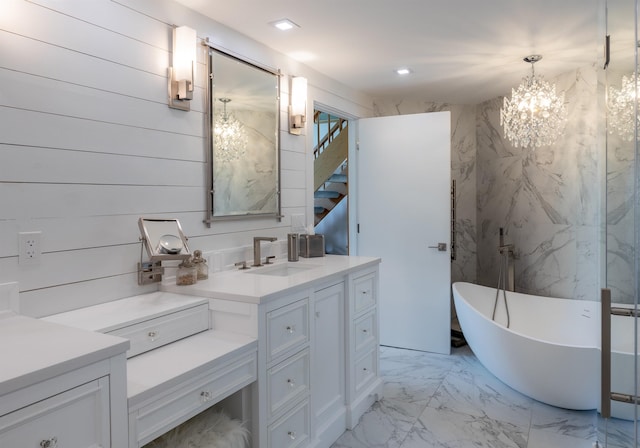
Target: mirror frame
{"x": 152, "y": 252}
{"x": 210, "y": 149}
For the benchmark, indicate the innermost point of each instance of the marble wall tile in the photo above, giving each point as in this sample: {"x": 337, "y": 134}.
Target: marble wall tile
{"x": 620, "y": 218}
{"x": 547, "y": 199}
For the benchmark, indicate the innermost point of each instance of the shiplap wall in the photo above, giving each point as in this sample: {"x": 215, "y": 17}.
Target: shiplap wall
{"x": 88, "y": 144}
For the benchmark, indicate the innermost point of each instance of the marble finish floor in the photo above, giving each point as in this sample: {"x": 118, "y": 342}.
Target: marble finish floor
{"x": 454, "y": 402}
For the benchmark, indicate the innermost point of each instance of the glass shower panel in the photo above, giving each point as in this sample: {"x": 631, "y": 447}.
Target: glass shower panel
{"x": 621, "y": 196}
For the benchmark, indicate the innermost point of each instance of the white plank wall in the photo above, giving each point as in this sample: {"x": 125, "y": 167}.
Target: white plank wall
{"x": 88, "y": 144}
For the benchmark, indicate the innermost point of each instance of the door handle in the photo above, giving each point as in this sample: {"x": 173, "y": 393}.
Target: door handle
{"x": 442, "y": 247}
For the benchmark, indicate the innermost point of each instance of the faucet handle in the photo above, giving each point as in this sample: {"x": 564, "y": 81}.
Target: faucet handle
{"x": 242, "y": 264}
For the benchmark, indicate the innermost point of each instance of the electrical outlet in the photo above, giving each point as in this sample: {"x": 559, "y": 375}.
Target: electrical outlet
{"x": 29, "y": 247}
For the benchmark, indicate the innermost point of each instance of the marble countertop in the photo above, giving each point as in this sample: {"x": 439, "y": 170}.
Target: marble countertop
{"x": 253, "y": 287}
{"x": 33, "y": 350}
{"x": 125, "y": 312}
{"x": 151, "y": 372}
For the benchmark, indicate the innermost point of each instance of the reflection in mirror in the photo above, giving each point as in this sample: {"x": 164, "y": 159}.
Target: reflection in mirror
{"x": 163, "y": 239}
{"x": 244, "y": 113}
{"x": 621, "y": 152}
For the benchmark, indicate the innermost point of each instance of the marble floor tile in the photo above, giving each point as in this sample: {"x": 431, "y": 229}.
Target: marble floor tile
{"x": 618, "y": 433}
{"x": 448, "y": 429}
{"x": 580, "y": 424}
{"x": 452, "y": 401}
{"x": 545, "y": 439}
{"x": 480, "y": 394}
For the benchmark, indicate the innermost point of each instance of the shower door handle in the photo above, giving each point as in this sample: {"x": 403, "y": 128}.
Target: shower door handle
{"x": 605, "y": 353}
{"x": 442, "y": 247}
{"x": 605, "y": 348}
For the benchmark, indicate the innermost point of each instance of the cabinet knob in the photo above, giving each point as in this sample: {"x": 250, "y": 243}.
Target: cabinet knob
{"x": 49, "y": 443}
{"x": 153, "y": 335}
{"x": 292, "y": 435}
{"x": 205, "y": 395}
{"x": 365, "y": 330}
{"x": 291, "y": 383}
{"x": 290, "y": 329}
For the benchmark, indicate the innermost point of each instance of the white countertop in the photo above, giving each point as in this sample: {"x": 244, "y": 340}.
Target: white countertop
{"x": 33, "y": 350}
{"x": 152, "y": 371}
{"x": 113, "y": 315}
{"x": 249, "y": 286}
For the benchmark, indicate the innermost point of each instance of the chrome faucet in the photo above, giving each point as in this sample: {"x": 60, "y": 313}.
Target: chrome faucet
{"x": 256, "y": 248}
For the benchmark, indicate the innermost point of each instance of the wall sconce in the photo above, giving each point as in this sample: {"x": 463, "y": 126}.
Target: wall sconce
{"x": 298, "y": 107}
{"x": 182, "y": 74}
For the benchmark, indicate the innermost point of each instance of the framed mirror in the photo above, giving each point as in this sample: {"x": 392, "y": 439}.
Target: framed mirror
{"x": 163, "y": 239}
{"x": 244, "y": 129}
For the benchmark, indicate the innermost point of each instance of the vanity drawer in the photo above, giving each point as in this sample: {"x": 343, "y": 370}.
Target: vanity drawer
{"x": 365, "y": 331}
{"x": 288, "y": 382}
{"x": 366, "y": 370}
{"x": 153, "y": 333}
{"x": 78, "y": 417}
{"x": 287, "y": 328}
{"x": 292, "y": 430}
{"x": 191, "y": 398}
{"x": 364, "y": 292}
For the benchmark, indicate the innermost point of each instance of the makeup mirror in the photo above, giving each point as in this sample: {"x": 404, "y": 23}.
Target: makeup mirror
{"x": 163, "y": 239}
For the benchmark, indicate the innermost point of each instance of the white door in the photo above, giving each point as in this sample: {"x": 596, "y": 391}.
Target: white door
{"x": 404, "y": 210}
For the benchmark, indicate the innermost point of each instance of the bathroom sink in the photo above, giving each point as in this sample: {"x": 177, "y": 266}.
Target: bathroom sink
{"x": 282, "y": 270}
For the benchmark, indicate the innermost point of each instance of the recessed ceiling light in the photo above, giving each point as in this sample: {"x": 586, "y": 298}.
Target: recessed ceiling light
{"x": 403, "y": 71}
{"x": 284, "y": 24}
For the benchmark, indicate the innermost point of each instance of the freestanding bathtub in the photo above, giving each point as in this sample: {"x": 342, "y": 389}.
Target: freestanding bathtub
{"x": 550, "y": 352}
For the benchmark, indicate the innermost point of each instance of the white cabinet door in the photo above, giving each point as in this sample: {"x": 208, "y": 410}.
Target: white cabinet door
{"x": 404, "y": 209}
{"x": 77, "y": 418}
{"x": 328, "y": 373}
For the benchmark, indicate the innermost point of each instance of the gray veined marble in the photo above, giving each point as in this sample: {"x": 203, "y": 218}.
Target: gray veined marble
{"x": 454, "y": 402}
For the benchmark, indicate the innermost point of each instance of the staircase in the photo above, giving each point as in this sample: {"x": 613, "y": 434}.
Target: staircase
{"x": 330, "y": 165}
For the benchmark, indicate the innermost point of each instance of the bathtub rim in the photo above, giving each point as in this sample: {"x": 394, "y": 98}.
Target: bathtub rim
{"x": 518, "y": 333}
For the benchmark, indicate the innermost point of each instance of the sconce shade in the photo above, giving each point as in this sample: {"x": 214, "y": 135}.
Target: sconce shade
{"x": 182, "y": 74}
{"x": 298, "y": 107}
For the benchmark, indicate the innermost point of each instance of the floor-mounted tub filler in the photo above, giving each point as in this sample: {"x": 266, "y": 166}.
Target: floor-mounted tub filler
{"x": 551, "y": 350}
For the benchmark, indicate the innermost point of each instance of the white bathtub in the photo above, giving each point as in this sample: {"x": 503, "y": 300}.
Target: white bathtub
{"x": 551, "y": 351}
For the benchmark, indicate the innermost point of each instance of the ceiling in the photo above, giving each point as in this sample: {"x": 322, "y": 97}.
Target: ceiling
{"x": 459, "y": 51}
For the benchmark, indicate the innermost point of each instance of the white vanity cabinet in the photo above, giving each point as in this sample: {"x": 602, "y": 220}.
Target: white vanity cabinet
{"x": 363, "y": 358}
{"x": 282, "y": 418}
{"x": 177, "y": 367}
{"x": 317, "y": 332}
{"x": 47, "y": 423}
{"x": 328, "y": 373}
{"x": 321, "y": 360}
{"x": 303, "y": 381}
{"x": 60, "y": 386}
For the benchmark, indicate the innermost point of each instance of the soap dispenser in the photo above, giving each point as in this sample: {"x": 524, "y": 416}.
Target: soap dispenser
{"x": 201, "y": 265}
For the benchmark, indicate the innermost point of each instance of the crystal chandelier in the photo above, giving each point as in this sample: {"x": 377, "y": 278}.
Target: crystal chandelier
{"x": 534, "y": 116}
{"x": 230, "y": 137}
{"x": 622, "y": 108}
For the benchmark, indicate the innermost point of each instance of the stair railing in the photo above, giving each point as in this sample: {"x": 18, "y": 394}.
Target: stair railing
{"x": 323, "y": 141}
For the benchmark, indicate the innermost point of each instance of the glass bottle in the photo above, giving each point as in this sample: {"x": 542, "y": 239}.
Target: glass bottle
{"x": 187, "y": 273}
{"x": 201, "y": 265}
